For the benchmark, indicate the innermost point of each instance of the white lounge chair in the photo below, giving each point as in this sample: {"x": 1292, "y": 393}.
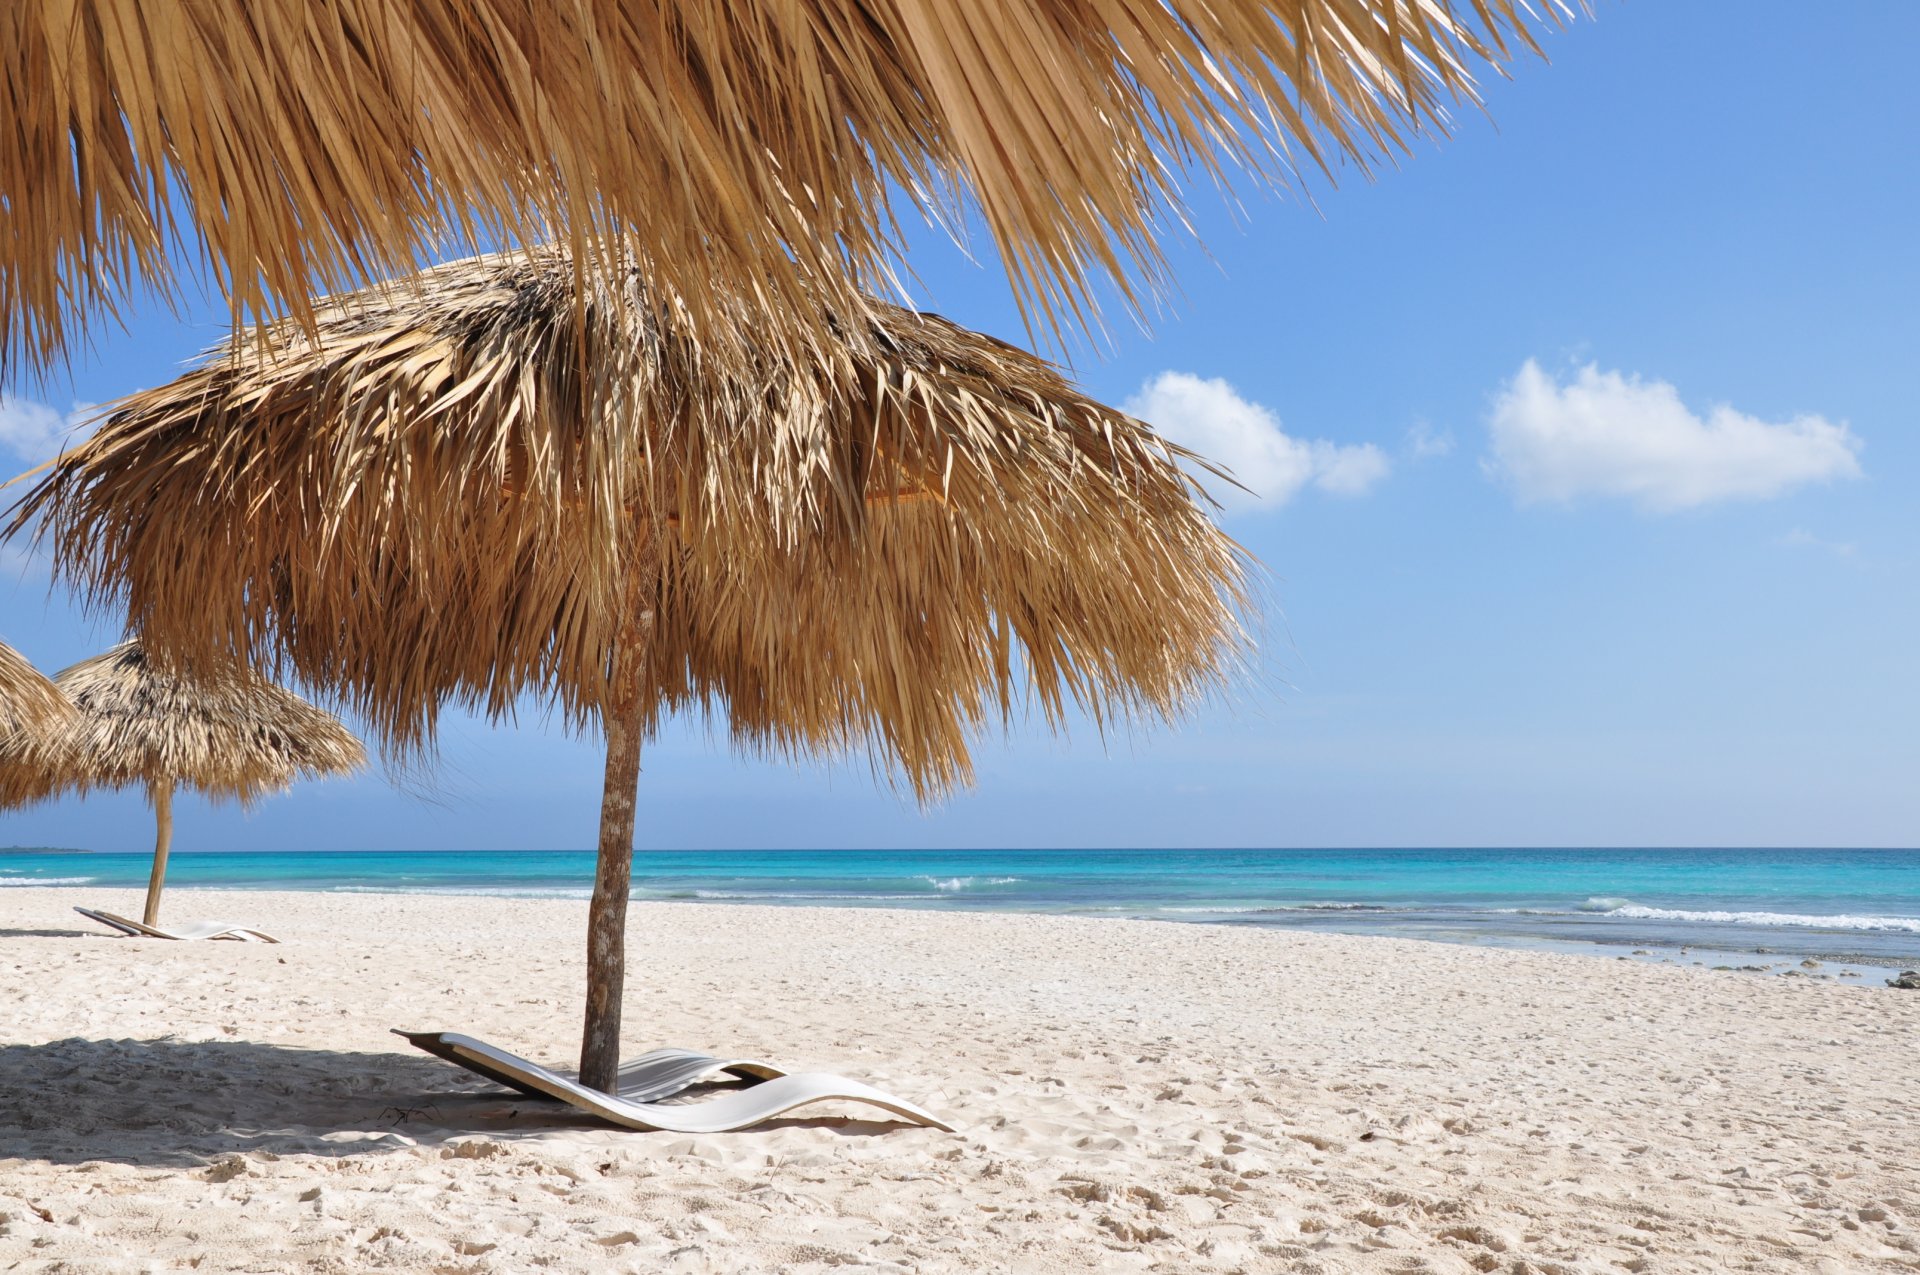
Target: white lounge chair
{"x": 198, "y": 930}
{"x": 724, "y": 1114}
{"x": 659, "y": 1073}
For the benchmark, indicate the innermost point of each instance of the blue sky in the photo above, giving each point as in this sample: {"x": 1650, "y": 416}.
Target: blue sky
{"x": 1585, "y": 441}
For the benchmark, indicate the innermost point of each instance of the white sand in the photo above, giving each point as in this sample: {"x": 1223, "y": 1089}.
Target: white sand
{"x": 1131, "y": 1096}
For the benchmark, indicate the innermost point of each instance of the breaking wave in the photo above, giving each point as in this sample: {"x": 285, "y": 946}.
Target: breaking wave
{"x": 1275, "y": 908}
{"x": 1625, "y": 909}
{"x": 482, "y": 891}
{"x": 1794, "y": 920}
{"x": 773, "y": 896}
{"x": 949, "y": 885}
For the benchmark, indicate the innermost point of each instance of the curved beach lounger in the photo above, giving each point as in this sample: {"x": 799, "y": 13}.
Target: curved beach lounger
{"x": 198, "y": 930}
{"x": 724, "y": 1114}
{"x": 659, "y": 1073}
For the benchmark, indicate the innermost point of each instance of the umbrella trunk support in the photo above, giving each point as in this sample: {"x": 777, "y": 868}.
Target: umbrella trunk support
{"x": 161, "y": 792}
{"x": 607, "y": 915}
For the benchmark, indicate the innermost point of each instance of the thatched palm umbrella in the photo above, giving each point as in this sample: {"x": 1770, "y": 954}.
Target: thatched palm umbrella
{"x": 28, "y": 701}
{"x": 228, "y": 735}
{"x": 495, "y": 484}
{"x": 752, "y": 144}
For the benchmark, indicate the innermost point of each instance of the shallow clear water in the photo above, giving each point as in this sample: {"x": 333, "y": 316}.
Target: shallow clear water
{"x": 1862, "y": 904}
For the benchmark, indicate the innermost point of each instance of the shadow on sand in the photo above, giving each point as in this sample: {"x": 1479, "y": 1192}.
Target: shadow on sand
{"x": 178, "y": 1103}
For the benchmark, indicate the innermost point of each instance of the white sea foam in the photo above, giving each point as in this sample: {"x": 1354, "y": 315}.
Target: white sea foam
{"x": 1605, "y": 903}
{"x": 1841, "y": 921}
{"x": 1284, "y": 907}
{"x": 764, "y": 896}
{"x": 483, "y": 891}
{"x": 46, "y": 881}
{"x": 645, "y": 893}
{"x": 951, "y": 884}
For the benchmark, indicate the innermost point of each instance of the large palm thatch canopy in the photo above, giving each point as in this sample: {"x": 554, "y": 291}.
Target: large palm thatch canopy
{"x": 755, "y": 144}
{"x": 28, "y": 701}
{"x": 227, "y": 734}
{"x": 434, "y": 503}
{"x": 498, "y": 484}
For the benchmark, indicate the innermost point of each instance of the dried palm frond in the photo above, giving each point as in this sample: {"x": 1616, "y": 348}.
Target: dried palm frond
{"x": 433, "y": 505}
{"x": 28, "y": 701}
{"x": 228, "y": 736}
{"x": 517, "y": 481}
{"x": 757, "y": 145}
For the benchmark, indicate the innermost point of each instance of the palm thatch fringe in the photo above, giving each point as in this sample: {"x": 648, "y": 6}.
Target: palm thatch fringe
{"x": 757, "y": 145}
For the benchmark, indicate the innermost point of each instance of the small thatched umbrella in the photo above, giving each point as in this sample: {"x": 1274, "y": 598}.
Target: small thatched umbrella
{"x": 495, "y": 484}
{"x": 28, "y": 701}
{"x": 746, "y": 145}
{"x": 229, "y": 735}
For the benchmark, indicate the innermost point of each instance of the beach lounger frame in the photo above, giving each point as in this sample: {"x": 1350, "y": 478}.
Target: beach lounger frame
{"x": 191, "y": 933}
{"x": 725, "y": 1113}
{"x": 659, "y": 1073}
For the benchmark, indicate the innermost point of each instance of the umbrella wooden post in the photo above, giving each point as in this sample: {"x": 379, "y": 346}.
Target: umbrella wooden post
{"x": 612, "y": 881}
{"x": 161, "y": 790}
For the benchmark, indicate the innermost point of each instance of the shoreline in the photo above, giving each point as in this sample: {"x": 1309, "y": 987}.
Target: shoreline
{"x": 1129, "y": 1097}
{"x": 1830, "y": 962}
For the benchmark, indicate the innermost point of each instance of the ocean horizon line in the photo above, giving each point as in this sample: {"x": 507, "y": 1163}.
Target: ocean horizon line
{"x": 1489, "y": 848}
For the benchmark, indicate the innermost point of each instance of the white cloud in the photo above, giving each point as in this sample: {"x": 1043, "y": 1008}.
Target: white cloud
{"x": 35, "y": 431}
{"x": 1347, "y": 470}
{"x": 1425, "y": 442}
{"x": 1801, "y": 538}
{"x": 1605, "y": 434}
{"x": 32, "y": 432}
{"x": 1240, "y": 435}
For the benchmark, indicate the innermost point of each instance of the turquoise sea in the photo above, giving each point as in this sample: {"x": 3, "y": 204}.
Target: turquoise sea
{"x": 1861, "y": 905}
